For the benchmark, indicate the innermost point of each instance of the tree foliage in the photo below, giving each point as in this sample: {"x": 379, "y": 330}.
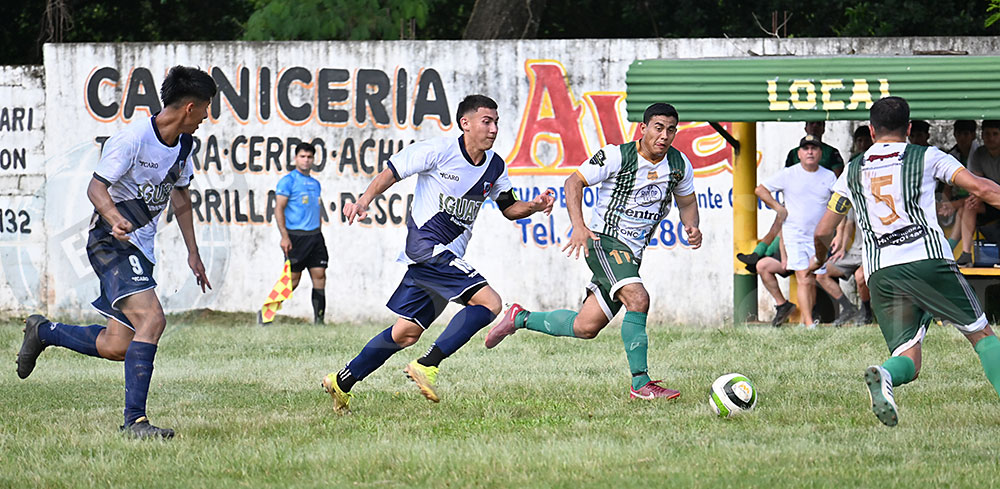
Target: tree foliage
{"x": 753, "y": 18}
{"x": 497, "y": 20}
{"x": 114, "y": 21}
{"x": 335, "y": 19}
{"x": 25, "y": 26}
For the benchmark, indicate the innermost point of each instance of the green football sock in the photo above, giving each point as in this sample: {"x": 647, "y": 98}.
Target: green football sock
{"x": 953, "y": 242}
{"x": 774, "y": 249}
{"x": 555, "y": 323}
{"x": 988, "y": 349}
{"x": 636, "y": 345}
{"x": 760, "y": 249}
{"x": 901, "y": 369}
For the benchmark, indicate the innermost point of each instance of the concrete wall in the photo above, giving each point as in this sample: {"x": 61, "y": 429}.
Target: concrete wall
{"x": 22, "y": 189}
{"x": 360, "y": 102}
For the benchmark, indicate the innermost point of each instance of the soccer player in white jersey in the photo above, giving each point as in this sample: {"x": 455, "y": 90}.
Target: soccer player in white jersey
{"x": 454, "y": 177}
{"x": 907, "y": 260}
{"x": 638, "y": 181}
{"x": 141, "y": 170}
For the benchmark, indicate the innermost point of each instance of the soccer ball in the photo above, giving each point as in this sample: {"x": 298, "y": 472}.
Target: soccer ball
{"x": 732, "y": 394}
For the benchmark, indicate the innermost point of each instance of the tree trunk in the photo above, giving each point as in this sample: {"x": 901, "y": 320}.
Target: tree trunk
{"x": 511, "y": 19}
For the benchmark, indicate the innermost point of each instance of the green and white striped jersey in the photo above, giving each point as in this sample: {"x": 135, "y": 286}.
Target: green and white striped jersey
{"x": 634, "y": 194}
{"x": 891, "y": 187}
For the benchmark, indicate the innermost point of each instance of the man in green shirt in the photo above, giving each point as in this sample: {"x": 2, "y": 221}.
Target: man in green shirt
{"x": 830, "y": 159}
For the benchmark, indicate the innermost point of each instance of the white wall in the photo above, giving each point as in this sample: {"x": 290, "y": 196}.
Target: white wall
{"x": 570, "y": 91}
{"x": 22, "y": 192}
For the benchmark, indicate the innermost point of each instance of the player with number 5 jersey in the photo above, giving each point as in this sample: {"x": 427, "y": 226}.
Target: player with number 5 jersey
{"x": 142, "y": 169}
{"x": 909, "y": 265}
{"x": 454, "y": 177}
{"x": 637, "y": 183}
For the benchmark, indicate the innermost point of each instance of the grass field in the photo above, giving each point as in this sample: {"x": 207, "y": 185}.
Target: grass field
{"x": 536, "y": 412}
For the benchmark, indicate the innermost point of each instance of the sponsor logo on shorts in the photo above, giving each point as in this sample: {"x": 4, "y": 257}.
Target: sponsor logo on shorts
{"x": 140, "y": 279}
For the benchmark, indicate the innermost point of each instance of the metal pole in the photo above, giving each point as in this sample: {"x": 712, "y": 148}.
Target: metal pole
{"x": 744, "y": 220}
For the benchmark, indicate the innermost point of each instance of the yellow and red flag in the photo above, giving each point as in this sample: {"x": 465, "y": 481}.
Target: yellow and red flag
{"x": 282, "y": 290}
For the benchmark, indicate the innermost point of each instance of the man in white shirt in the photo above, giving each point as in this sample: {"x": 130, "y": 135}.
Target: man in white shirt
{"x": 807, "y": 189}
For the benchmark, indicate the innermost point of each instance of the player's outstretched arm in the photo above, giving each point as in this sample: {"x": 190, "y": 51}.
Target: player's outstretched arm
{"x": 359, "y": 210}
{"x": 574, "y": 205}
{"x": 983, "y": 188}
{"x": 97, "y": 191}
{"x": 522, "y": 209}
{"x": 180, "y": 198}
{"x": 687, "y": 205}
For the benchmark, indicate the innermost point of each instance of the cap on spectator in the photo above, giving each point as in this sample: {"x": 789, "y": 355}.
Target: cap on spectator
{"x": 810, "y": 139}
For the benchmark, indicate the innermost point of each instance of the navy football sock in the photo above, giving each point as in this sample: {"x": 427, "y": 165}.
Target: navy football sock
{"x": 82, "y": 339}
{"x": 319, "y": 305}
{"x": 433, "y": 356}
{"x": 373, "y": 355}
{"x": 462, "y": 327}
{"x": 138, "y": 371}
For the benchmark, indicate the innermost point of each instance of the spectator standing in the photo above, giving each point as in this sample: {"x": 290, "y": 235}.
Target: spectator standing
{"x": 829, "y": 158}
{"x": 807, "y": 189}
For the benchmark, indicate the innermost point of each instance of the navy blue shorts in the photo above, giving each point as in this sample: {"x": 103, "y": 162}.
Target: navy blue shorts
{"x": 427, "y": 288}
{"x": 122, "y": 269}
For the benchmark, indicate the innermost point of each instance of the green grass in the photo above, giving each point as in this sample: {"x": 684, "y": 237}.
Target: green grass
{"x": 536, "y": 412}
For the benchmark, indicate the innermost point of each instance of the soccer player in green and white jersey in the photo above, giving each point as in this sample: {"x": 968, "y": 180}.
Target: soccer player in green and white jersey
{"x": 907, "y": 260}
{"x": 638, "y": 182}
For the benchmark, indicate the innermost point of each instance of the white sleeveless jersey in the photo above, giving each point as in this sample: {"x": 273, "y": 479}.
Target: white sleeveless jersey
{"x": 634, "y": 194}
{"x": 891, "y": 187}
{"x": 449, "y": 192}
{"x": 141, "y": 171}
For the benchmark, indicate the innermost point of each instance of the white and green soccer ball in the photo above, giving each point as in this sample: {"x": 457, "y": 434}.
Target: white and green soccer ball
{"x": 732, "y": 394}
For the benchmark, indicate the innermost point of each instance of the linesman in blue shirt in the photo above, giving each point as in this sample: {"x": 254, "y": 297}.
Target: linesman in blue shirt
{"x": 297, "y": 214}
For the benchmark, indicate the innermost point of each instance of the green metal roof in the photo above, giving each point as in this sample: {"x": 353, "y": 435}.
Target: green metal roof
{"x": 809, "y": 89}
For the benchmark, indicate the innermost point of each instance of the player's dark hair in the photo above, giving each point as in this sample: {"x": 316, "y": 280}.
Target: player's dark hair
{"x": 861, "y": 132}
{"x": 965, "y": 126}
{"x": 890, "y": 115}
{"x": 184, "y": 83}
{"x": 659, "y": 108}
{"x": 920, "y": 126}
{"x": 472, "y": 103}
{"x": 991, "y": 124}
{"x": 307, "y": 147}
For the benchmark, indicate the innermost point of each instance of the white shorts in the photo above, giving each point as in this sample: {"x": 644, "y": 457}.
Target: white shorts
{"x": 799, "y": 252}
